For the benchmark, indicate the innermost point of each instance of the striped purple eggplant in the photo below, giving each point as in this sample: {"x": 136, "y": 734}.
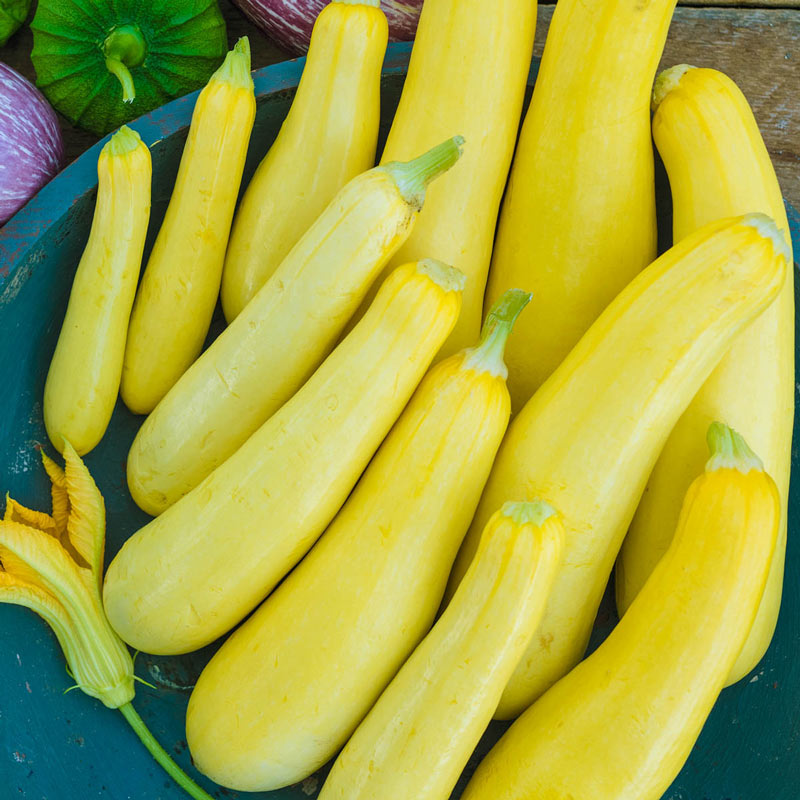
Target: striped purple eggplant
{"x": 289, "y": 22}
{"x": 31, "y": 148}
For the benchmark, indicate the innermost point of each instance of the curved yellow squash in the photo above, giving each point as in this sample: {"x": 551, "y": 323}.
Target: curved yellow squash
{"x": 179, "y": 289}
{"x": 83, "y": 381}
{"x": 419, "y": 735}
{"x": 587, "y": 440}
{"x": 268, "y": 352}
{"x": 579, "y": 216}
{"x": 621, "y": 725}
{"x": 198, "y": 569}
{"x": 289, "y": 687}
{"x": 718, "y": 166}
{"x": 468, "y": 72}
{"x": 328, "y": 137}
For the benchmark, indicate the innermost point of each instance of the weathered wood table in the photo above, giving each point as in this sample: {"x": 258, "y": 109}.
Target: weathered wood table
{"x": 758, "y": 47}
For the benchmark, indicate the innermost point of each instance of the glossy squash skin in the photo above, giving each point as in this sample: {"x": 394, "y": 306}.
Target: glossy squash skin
{"x": 83, "y": 380}
{"x": 588, "y": 439}
{"x": 328, "y": 137}
{"x": 621, "y": 725}
{"x": 718, "y": 166}
{"x": 579, "y": 218}
{"x": 270, "y": 350}
{"x": 289, "y": 687}
{"x": 446, "y": 92}
{"x": 176, "y": 298}
{"x": 417, "y": 738}
{"x": 191, "y": 574}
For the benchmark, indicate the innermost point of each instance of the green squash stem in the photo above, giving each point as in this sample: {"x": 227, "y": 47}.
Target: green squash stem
{"x": 161, "y": 755}
{"x": 487, "y": 356}
{"x": 729, "y": 450}
{"x": 124, "y": 48}
{"x": 413, "y": 176}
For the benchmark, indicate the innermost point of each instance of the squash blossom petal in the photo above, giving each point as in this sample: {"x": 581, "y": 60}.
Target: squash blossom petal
{"x": 53, "y": 565}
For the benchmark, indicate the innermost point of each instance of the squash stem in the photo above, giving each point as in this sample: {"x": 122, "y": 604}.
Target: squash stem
{"x": 729, "y": 450}
{"x": 124, "y": 141}
{"x": 235, "y": 69}
{"x": 534, "y": 512}
{"x": 443, "y": 275}
{"x": 488, "y": 355}
{"x": 667, "y": 81}
{"x": 412, "y": 177}
{"x": 124, "y": 48}
{"x": 161, "y": 755}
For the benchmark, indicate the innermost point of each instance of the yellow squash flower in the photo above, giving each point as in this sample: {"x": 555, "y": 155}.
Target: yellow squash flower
{"x": 53, "y": 565}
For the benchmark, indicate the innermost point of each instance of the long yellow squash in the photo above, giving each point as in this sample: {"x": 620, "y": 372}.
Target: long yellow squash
{"x": 289, "y": 687}
{"x": 83, "y": 380}
{"x": 269, "y": 351}
{"x": 419, "y": 735}
{"x": 621, "y": 725}
{"x": 579, "y": 216}
{"x": 587, "y": 440}
{"x": 179, "y": 289}
{"x": 191, "y": 574}
{"x": 328, "y": 137}
{"x": 448, "y": 90}
{"x": 718, "y": 166}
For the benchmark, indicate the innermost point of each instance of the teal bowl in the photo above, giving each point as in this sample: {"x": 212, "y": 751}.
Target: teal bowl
{"x": 58, "y": 746}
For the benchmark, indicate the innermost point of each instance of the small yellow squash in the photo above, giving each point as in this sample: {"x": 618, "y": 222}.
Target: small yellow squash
{"x": 83, "y": 381}
{"x": 289, "y": 687}
{"x": 718, "y": 166}
{"x": 328, "y": 137}
{"x": 579, "y": 216}
{"x": 621, "y": 725}
{"x": 468, "y": 72}
{"x": 418, "y": 737}
{"x": 587, "y": 440}
{"x": 179, "y": 289}
{"x": 194, "y": 572}
{"x": 270, "y": 349}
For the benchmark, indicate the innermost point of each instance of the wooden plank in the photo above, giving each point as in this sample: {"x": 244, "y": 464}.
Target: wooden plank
{"x": 727, "y": 3}
{"x": 743, "y": 3}
{"x": 758, "y": 48}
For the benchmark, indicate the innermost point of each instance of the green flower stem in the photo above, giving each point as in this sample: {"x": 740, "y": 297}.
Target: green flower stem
{"x": 161, "y": 755}
{"x": 413, "y": 176}
{"x": 124, "y": 48}
{"x": 488, "y": 355}
{"x": 729, "y": 450}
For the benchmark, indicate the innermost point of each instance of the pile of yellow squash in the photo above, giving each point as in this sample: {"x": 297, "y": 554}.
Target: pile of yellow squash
{"x": 421, "y": 513}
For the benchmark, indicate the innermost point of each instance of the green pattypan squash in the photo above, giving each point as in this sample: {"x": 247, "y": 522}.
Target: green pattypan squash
{"x": 12, "y": 14}
{"x": 102, "y": 63}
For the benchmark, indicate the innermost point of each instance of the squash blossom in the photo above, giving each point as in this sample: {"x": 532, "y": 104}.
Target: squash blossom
{"x": 53, "y": 564}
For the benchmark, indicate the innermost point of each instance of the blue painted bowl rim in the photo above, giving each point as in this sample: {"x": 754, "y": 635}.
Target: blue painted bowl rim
{"x": 51, "y": 203}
